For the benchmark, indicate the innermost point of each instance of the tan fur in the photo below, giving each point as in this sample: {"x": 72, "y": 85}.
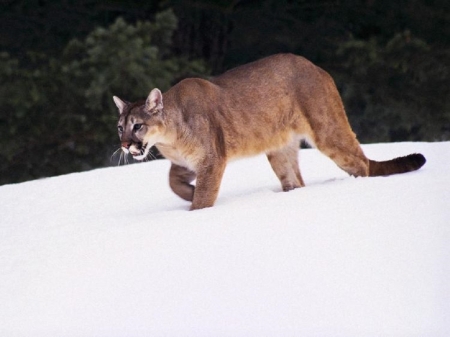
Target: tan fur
{"x": 263, "y": 107}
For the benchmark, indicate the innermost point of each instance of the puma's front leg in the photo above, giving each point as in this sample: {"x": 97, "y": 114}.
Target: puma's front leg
{"x": 209, "y": 177}
{"x": 179, "y": 180}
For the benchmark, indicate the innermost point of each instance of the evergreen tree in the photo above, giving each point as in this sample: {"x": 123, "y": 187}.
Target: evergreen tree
{"x": 59, "y": 117}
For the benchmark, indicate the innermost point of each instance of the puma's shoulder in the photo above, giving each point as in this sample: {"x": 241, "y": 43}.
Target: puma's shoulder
{"x": 191, "y": 89}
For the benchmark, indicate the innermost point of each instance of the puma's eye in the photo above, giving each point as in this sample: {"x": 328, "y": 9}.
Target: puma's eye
{"x": 120, "y": 128}
{"x": 137, "y": 127}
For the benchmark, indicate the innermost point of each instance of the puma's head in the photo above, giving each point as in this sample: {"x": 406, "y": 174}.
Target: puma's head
{"x": 140, "y": 125}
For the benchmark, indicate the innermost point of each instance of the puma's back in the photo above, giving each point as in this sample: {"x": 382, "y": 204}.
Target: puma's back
{"x": 263, "y": 107}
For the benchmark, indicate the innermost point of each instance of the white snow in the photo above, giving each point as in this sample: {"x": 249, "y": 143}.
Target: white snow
{"x": 113, "y": 252}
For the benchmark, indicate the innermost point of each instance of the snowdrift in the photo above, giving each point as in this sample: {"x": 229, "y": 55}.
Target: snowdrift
{"x": 113, "y": 252}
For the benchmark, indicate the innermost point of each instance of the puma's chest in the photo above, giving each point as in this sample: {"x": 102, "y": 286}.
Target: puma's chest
{"x": 181, "y": 157}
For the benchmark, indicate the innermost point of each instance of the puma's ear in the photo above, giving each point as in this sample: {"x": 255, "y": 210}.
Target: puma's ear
{"x": 119, "y": 103}
{"x": 154, "y": 100}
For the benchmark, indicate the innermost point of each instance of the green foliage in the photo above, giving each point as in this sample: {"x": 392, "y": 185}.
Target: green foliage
{"x": 395, "y": 86}
{"x": 398, "y": 90}
{"x": 59, "y": 116}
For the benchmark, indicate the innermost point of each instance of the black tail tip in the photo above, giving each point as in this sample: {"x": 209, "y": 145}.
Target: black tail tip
{"x": 417, "y": 160}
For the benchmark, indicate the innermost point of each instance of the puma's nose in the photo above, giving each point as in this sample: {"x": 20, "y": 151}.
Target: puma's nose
{"x": 126, "y": 145}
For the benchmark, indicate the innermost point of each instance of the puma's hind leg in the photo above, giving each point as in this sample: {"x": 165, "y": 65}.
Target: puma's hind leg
{"x": 345, "y": 151}
{"x": 330, "y": 131}
{"x": 180, "y": 179}
{"x": 284, "y": 163}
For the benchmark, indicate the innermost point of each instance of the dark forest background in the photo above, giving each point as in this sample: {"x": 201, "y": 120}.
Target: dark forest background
{"x": 61, "y": 62}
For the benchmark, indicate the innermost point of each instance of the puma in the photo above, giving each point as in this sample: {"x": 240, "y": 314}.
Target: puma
{"x": 266, "y": 106}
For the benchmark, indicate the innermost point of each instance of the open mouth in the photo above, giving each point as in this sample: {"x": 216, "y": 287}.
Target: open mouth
{"x": 141, "y": 153}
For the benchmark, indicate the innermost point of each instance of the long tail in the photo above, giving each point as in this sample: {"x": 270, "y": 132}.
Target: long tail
{"x": 404, "y": 164}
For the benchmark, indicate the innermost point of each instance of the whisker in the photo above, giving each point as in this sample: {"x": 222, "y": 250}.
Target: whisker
{"x": 123, "y": 157}
{"x": 114, "y": 153}
{"x": 146, "y": 157}
{"x": 120, "y": 159}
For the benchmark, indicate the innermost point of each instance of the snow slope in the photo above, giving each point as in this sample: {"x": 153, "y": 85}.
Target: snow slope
{"x": 112, "y": 252}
